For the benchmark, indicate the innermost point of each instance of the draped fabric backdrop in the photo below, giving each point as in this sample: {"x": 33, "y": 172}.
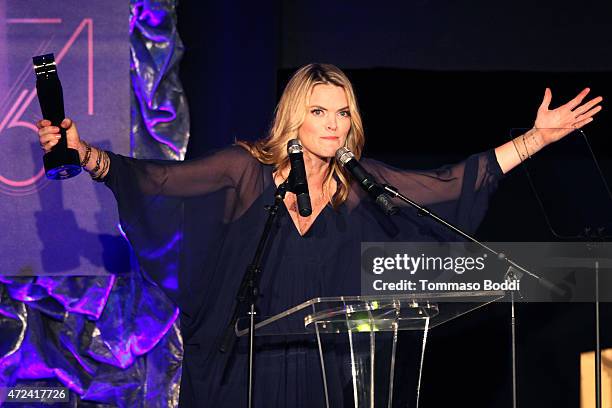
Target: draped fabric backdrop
{"x": 112, "y": 337}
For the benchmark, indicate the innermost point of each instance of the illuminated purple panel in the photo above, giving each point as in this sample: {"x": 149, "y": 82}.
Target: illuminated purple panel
{"x": 3, "y": 53}
{"x": 112, "y": 338}
{"x": 54, "y": 226}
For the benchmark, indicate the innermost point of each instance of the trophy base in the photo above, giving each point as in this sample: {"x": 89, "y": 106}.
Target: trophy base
{"x": 62, "y": 164}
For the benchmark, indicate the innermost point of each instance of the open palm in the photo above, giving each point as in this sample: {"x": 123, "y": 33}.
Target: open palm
{"x": 557, "y": 123}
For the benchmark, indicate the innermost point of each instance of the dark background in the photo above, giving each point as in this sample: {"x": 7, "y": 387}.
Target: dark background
{"x": 436, "y": 81}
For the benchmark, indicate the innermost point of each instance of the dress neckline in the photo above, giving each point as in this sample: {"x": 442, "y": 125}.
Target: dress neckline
{"x": 295, "y": 227}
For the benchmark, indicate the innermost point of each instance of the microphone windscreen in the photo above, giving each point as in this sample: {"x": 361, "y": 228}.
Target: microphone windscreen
{"x": 294, "y": 146}
{"x": 343, "y": 155}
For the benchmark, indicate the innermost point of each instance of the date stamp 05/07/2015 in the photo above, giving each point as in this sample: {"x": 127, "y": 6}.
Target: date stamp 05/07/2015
{"x": 42, "y": 395}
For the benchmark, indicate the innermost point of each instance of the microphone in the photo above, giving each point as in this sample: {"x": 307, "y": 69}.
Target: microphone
{"x": 297, "y": 177}
{"x": 367, "y": 182}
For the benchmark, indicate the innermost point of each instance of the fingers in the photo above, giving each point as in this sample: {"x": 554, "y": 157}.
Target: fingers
{"x": 546, "y": 100}
{"x": 580, "y": 124}
{"x": 578, "y": 99}
{"x": 49, "y": 140}
{"x": 45, "y": 127}
{"x": 48, "y": 129}
{"x": 588, "y": 114}
{"x": 48, "y": 135}
{"x": 42, "y": 123}
{"x": 583, "y": 108}
{"x": 66, "y": 123}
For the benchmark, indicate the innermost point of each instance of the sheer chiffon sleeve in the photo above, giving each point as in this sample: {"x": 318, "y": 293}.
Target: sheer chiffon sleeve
{"x": 217, "y": 170}
{"x": 163, "y": 204}
{"x": 460, "y": 192}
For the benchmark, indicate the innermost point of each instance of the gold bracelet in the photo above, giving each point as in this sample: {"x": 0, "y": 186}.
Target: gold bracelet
{"x": 517, "y": 147}
{"x": 94, "y": 171}
{"x": 526, "y": 149}
{"x": 105, "y": 165}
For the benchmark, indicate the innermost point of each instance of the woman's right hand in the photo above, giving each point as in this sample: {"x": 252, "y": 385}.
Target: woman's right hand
{"x": 49, "y": 135}
{"x": 93, "y": 160}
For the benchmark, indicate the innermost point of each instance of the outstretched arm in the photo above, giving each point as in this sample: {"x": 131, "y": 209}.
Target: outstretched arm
{"x": 550, "y": 126}
{"x": 152, "y": 177}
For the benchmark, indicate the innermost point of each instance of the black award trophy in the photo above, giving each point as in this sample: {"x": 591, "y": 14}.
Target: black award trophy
{"x": 61, "y": 162}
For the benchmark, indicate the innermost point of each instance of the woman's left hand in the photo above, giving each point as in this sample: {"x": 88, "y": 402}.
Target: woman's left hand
{"x": 553, "y": 125}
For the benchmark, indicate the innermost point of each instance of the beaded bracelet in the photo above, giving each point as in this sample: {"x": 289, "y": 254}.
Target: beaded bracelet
{"x": 87, "y": 154}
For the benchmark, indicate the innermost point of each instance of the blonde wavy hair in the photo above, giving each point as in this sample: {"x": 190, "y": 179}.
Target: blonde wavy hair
{"x": 290, "y": 114}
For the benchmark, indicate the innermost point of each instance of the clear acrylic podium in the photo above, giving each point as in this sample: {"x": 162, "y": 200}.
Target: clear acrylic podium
{"x": 367, "y": 326}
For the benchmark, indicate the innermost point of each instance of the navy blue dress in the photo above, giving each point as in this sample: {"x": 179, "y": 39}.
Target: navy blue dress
{"x": 195, "y": 225}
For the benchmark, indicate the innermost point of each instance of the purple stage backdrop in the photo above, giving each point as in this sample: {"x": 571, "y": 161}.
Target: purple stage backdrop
{"x": 61, "y": 227}
{"x": 75, "y": 310}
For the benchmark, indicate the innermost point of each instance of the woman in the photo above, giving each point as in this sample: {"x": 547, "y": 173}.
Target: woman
{"x": 210, "y": 211}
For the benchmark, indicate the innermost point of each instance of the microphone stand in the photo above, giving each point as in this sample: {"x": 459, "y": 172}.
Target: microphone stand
{"x": 597, "y": 341}
{"x": 513, "y": 273}
{"x": 249, "y": 291}
{"x": 422, "y": 212}
{"x": 597, "y": 324}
